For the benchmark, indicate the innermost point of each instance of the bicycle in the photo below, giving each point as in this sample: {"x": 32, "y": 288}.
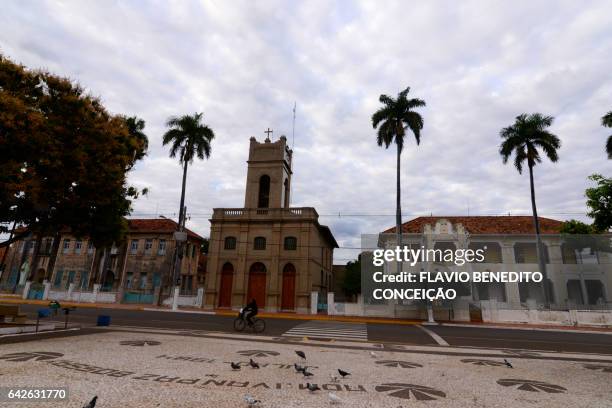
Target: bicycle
{"x": 241, "y": 323}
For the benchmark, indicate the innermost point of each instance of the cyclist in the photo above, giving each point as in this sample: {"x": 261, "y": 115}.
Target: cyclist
{"x": 250, "y": 311}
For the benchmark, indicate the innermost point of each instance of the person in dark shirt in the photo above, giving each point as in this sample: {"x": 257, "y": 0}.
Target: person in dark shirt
{"x": 250, "y": 311}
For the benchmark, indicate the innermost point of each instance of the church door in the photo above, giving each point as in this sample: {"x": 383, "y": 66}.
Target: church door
{"x": 225, "y": 292}
{"x": 257, "y": 284}
{"x": 288, "y": 299}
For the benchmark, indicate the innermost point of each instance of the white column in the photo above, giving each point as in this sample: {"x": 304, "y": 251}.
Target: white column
{"x": 70, "y": 290}
{"x": 331, "y": 307}
{"x": 314, "y": 298}
{"x": 26, "y": 289}
{"x": 47, "y": 286}
{"x": 175, "y": 298}
{"x": 96, "y": 289}
{"x": 200, "y": 298}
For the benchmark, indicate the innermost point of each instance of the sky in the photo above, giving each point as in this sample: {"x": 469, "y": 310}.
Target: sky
{"x": 477, "y": 64}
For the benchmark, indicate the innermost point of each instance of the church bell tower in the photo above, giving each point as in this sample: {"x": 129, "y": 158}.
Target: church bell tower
{"x": 268, "y": 174}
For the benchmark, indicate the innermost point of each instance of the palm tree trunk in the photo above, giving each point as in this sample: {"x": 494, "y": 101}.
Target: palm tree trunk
{"x": 181, "y": 210}
{"x": 3, "y": 261}
{"x": 35, "y": 256}
{"x": 53, "y": 257}
{"x": 540, "y": 252}
{"x": 398, "y": 208}
{"x": 179, "y": 244}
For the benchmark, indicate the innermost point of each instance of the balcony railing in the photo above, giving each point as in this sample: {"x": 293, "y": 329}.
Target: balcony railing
{"x": 265, "y": 213}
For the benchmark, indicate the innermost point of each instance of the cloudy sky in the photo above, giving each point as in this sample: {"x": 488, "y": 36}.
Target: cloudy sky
{"x": 244, "y": 64}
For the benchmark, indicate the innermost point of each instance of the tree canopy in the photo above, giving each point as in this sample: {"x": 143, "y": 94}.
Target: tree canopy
{"x": 599, "y": 201}
{"x": 395, "y": 116}
{"x": 528, "y": 134}
{"x": 64, "y": 157}
{"x": 351, "y": 285}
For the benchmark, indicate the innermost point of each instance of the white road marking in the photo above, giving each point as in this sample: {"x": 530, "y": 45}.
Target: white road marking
{"x": 331, "y": 330}
{"x": 434, "y": 336}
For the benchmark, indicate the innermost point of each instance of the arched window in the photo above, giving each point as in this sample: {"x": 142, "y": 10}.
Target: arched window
{"x": 259, "y": 243}
{"x": 230, "y": 243}
{"x": 290, "y": 243}
{"x": 264, "y": 192}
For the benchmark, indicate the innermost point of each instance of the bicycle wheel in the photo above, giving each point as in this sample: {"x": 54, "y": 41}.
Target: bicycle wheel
{"x": 239, "y": 324}
{"x": 259, "y": 325}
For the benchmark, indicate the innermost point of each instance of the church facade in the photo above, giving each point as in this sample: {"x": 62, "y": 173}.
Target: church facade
{"x": 267, "y": 250}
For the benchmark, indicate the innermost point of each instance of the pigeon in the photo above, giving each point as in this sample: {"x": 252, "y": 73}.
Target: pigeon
{"x": 299, "y": 368}
{"x": 312, "y": 387}
{"x": 508, "y": 363}
{"x": 373, "y": 354}
{"x": 251, "y": 401}
{"x": 333, "y": 398}
{"x": 307, "y": 373}
{"x": 92, "y": 403}
{"x": 234, "y": 366}
{"x": 333, "y": 378}
{"x": 253, "y": 363}
{"x": 301, "y": 354}
{"x": 343, "y": 373}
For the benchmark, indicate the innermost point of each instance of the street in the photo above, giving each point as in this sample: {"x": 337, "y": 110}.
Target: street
{"x": 456, "y": 336}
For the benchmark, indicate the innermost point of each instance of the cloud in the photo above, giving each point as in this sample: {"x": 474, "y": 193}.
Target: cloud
{"x": 477, "y": 65}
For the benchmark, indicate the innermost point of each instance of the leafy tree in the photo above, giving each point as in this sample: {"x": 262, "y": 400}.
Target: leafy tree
{"x": 351, "y": 285}
{"x": 576, "y": 227}
{"x": 599, "y": 201}
{"x": 189, "y": 138}
{"x": 524, "y": 138}
{"x": 204, "y": 246}
{"x": 394, "y": 118}
{"x": 606, "y": 121}
{"x": 64, "y": 159}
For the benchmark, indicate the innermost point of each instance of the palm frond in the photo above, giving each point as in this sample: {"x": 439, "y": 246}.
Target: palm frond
{"x": 525, "y": 136}
{"x": 606, "y": 120}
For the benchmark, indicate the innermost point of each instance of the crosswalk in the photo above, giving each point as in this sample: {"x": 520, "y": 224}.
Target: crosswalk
{"x": 330, "y": 330}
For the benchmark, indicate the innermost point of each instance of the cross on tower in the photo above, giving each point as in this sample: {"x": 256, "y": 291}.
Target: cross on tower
{"x": 268, "y": 132}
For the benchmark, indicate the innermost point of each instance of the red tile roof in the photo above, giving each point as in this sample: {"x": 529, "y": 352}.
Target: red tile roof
{"x": 505, "y": 224}
{"x": 156, "y": 225}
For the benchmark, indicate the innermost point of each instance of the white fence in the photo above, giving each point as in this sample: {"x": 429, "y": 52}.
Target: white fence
{"x": 492, "y": 312}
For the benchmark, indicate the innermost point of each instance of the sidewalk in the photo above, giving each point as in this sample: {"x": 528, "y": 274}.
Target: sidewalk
{"x": 294, "y": 316}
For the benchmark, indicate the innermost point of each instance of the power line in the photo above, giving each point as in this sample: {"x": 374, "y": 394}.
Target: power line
{"x": 341, "y": 214}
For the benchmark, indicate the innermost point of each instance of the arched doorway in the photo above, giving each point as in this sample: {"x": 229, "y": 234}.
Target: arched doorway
{"x": 225, "y": 291}
{"x": 257, "y": 284}
{"x": 288, "y": 293}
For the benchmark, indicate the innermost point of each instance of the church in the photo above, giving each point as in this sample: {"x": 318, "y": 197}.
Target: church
{"x": 277, "y": 254}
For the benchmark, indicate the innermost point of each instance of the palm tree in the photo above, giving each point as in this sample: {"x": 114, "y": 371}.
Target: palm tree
{"x": 606, "y": 121}
{"x": 135, "y": 127}
{"x": 189, "y": 137}
{"x": 528, "y": 134}
{"x": 395, "y": 117}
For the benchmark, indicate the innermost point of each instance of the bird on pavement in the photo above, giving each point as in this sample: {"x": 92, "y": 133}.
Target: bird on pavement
{"x": 253, "y": 363}
{"x": 234, "y": 366}
{"x": 251, "y": 401}
{"x": 508, "y": 363}
{"x": 301, "y": 354}
{"x": 307, "y": 373}
{"x": 333, "y": 398}
{"x": 299, "y": 368}
{"x": 333, "y": 378}
{"x": 312, "y": 387}
{"x": 343, "y": 373}
{"x": 92, "y": 403}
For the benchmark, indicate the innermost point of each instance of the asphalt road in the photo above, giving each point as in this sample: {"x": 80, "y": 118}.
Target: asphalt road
{"x": 383, "y": 333}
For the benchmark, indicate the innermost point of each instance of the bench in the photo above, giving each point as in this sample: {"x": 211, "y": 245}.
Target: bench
{"x": 12, "y": 312}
